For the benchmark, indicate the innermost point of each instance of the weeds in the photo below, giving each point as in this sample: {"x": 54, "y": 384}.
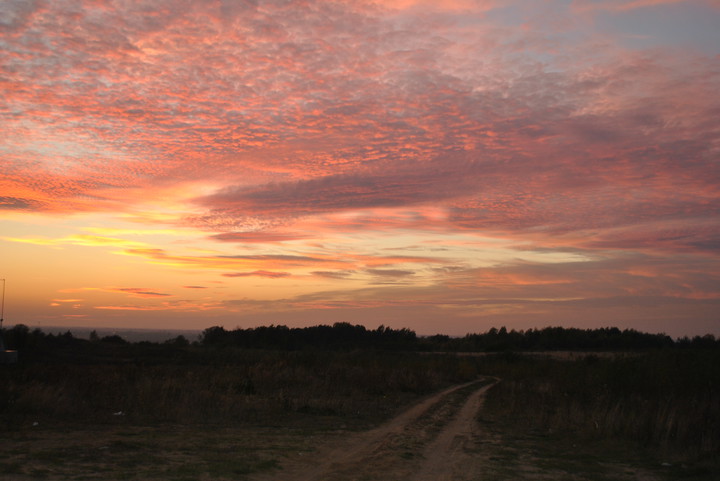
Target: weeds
{"x": 668, "y": 401}
{"x": 224, "y": 386}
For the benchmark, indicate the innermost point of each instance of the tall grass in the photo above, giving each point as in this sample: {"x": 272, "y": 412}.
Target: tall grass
{"x": 200, "y": 385}
{"x": 667, "y": 400}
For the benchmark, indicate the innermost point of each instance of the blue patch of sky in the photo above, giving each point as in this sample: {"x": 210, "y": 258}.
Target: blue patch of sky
{"x": 680, "y": 25}
{"x": 551, "y": 20}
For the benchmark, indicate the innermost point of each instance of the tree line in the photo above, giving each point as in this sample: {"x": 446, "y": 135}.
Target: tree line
{"x": 346, "y": 336}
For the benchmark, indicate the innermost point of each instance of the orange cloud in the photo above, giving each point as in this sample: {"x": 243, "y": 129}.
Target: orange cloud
{"x": 340, "y": 261}
{"x": 139, "y": 292}
{"x": 235, "y": 261}
{"x": 177, "y": 306}
{"x": 259, "y": 273}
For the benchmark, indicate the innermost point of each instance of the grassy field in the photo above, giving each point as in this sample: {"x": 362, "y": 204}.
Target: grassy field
{"x": 661, "y": 405}
{"x": 228, "y": 386}
{"x": 122, "y": 411}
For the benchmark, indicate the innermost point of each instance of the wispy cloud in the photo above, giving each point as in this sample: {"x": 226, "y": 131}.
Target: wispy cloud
{"x": 269, "y": 274}
{"x": 140, "y": 292}
{"x": 77, "y": 240}
{"x": 625, "y": 5}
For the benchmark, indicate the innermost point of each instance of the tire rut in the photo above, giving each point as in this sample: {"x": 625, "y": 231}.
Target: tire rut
{"x": 425, "y": 440}
{"x": 446, "y": 458}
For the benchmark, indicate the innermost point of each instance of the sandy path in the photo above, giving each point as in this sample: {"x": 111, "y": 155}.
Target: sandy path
{"x": 423, "y": 443}
{"x": 445, "y": 457}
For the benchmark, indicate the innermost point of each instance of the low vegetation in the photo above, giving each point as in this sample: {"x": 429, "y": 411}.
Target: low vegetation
{"x": 656, "y": 394}
{"x": 665, "y": 402}
{"x": 111, "y": 381}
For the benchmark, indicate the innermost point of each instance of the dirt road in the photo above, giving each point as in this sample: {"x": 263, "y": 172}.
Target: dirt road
{"x": 423, "y": 443}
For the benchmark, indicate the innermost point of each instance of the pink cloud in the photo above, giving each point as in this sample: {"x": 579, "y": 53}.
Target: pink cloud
{"x": 429, "y": 135}
{"x": 312, "y": 124}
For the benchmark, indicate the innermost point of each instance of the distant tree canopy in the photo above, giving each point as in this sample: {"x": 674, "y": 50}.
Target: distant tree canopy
{"x": 341, "y": 335}
{"x": 560, "y": 338}
{"x": 22, "y": 337}
{"x": 346, "y": 336}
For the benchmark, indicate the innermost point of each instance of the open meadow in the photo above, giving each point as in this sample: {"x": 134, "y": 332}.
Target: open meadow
{"x": 107, "y": 409}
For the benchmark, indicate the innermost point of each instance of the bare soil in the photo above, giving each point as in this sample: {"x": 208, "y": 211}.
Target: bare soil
{"x": 419, "y": 441}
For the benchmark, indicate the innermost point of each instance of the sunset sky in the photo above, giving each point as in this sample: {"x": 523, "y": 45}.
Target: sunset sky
{"x": 445, "y": 166}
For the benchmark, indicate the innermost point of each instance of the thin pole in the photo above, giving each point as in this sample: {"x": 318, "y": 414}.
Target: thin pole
{"x": 2, "y": 316}
{"x": 2, "y": 309}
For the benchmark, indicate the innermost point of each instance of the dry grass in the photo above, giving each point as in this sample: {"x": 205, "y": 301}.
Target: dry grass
{"x": 665, "y": 402}
{"x": 198, "y": 413}
{"x": 223, "y": 386}
{"x": 188, "y": 404}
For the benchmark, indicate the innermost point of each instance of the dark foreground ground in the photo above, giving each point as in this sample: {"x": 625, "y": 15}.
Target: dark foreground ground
{"x": 133, "y": 412}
